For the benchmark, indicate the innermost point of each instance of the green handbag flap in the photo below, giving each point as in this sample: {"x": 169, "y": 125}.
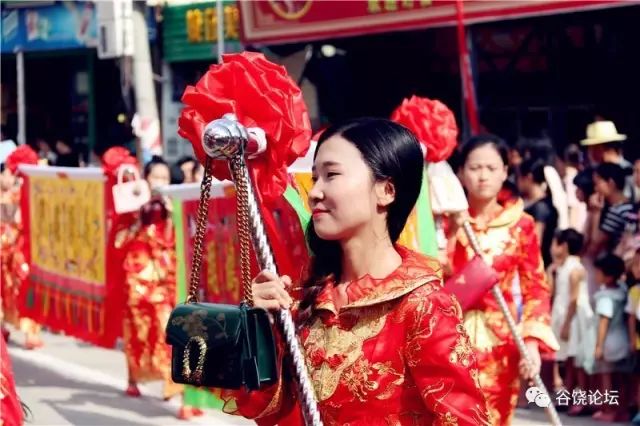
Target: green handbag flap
{"x": 218, "y": 324}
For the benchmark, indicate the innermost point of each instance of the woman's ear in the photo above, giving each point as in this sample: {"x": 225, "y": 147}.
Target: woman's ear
{"x": 385, "y": 192}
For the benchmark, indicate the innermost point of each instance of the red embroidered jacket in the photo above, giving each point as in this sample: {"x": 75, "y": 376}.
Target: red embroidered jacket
{"x": 396, "y": 353}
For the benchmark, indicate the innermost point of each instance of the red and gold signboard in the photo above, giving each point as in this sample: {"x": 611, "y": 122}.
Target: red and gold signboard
{"x": 279, "y": 21}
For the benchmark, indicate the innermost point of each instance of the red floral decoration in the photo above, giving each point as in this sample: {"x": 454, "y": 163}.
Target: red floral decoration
{"x": 24, "y": 154}
{"x": 316, "y": 358}
{"x": 432, "y": 122}
{"x": 115, "y": 157}
{"x": 260, "y": 94}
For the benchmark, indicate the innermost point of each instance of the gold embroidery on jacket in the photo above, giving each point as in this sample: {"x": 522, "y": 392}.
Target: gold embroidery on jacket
{"x": 341, "y": 343}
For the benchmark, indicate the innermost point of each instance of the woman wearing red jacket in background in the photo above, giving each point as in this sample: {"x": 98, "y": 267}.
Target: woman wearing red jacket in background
{"x": 507, "y": 237}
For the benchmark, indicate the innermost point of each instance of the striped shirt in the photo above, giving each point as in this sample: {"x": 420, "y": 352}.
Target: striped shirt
{"x": 618, "y": 219}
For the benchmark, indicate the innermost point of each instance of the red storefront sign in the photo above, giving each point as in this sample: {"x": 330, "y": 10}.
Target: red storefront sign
{"x": 281, "y": 21}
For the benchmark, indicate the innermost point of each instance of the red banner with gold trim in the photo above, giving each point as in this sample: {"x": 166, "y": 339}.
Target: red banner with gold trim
{"x": 276, "y": 21}
{"x": 69, "y": 288}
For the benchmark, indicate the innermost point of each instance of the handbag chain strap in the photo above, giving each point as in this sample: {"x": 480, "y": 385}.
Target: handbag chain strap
{"x": 201, "y": 230}
{"x": 242, "y": 215}
{"x": 242, "y": 199}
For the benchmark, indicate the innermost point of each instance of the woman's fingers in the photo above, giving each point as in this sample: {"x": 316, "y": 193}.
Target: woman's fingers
{"x": 286, "y": 280}
{"x": 272, "y": 291}
{"x": 269, "y": 305}
{"x": 265, "y": 276}
{"x": 269, "y": 291}
{"x": 528, "y": 371}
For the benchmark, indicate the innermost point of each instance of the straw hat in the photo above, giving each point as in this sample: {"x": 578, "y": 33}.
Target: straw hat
{"x": 601, "y": 132}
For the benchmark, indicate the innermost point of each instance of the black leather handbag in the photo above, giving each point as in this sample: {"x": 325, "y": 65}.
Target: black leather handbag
{"x": 217, "y": 345}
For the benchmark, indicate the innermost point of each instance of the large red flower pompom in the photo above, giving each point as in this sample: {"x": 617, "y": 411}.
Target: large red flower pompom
{"x": 24, "y": 154}
{"x": 432, "y": 122}
{"x": 260, "y": 94}
{"x": 115, "y": 157}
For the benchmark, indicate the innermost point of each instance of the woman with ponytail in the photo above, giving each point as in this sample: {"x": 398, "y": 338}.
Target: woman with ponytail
{"x": 384, "y": 343}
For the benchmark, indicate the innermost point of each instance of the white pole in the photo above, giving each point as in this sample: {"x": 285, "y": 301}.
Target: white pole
{"x": 220, "y": 13}
{"x": 145, "y": 93}
{"x": 22, "y": 114}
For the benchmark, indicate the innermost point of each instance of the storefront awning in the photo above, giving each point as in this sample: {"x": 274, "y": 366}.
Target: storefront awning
{"x": 279, "y": 21}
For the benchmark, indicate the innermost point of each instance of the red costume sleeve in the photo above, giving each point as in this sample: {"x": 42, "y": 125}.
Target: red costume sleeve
{"x": 450, "y": 390}
{"x": 536, "y": 292}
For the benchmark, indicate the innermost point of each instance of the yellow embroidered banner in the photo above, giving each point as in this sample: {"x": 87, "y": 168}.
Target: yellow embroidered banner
{"x": 69, "y": 287}
{"x": 68, "y": 227}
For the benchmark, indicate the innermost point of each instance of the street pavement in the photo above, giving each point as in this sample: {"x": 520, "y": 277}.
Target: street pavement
{"x": 68, "y": 382}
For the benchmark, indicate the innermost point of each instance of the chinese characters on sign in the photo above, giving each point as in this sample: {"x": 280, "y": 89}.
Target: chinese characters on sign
{"x": 581, "y": 397}
{"x": 377, "y": 6}
{"x": 202, "y": 24}
{"x": 578, "y": 397}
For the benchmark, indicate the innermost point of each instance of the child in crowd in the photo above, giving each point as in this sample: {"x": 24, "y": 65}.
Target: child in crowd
{"x": 616, "y": 214}
{"x": 612, "y": 343}
{"x": 571, "y": 313}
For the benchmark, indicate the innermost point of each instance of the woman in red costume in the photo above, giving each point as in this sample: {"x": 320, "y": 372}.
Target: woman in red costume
{"x": 14, "y": 268}
{"x": 384, "y": 343}
{"x": 149, "y": 262}
{"x": 508, "y": 239}
{"x": 11, "y": 412}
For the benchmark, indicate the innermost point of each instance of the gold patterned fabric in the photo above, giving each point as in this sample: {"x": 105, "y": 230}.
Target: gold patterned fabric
{"x": 395, "y": 354}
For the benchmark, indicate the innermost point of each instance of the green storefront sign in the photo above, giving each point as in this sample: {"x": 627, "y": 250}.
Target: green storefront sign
{"x": 191, "y": 31}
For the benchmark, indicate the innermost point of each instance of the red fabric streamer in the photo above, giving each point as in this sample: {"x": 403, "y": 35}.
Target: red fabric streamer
{"x": 24, "y": 154}
{"x": 432, "y": 122}
{"x": 115, "y": 157}
{"x": 260, "y": 94}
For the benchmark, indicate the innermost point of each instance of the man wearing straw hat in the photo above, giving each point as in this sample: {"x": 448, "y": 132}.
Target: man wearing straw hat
{"x": 604, "y": 145}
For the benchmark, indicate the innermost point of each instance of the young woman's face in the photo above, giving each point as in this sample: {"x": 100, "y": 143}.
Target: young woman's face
{"x": 343, "y": 198}
{"x": 158, "y": 176}
{"x": 484, "y": 173}
{"x": 187, "y": 169}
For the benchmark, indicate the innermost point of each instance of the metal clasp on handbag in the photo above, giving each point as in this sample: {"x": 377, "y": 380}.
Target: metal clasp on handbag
{"x": 194, "y": 376}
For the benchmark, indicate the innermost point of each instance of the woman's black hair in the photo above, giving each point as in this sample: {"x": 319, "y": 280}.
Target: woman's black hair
{"x": 155, "y": 160}
{"x": 584, "y": 182}
{"x": 572, "y": 238}
{"x": 479, "y": 141}
{"x": 540, "y": 148}
{"x": 177, "y": 175}
{"x": 610, "y": 171}
{"x": 610, "y": 265}
{"x": 533, "y": 167}
{"x": 392, "y": 153}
